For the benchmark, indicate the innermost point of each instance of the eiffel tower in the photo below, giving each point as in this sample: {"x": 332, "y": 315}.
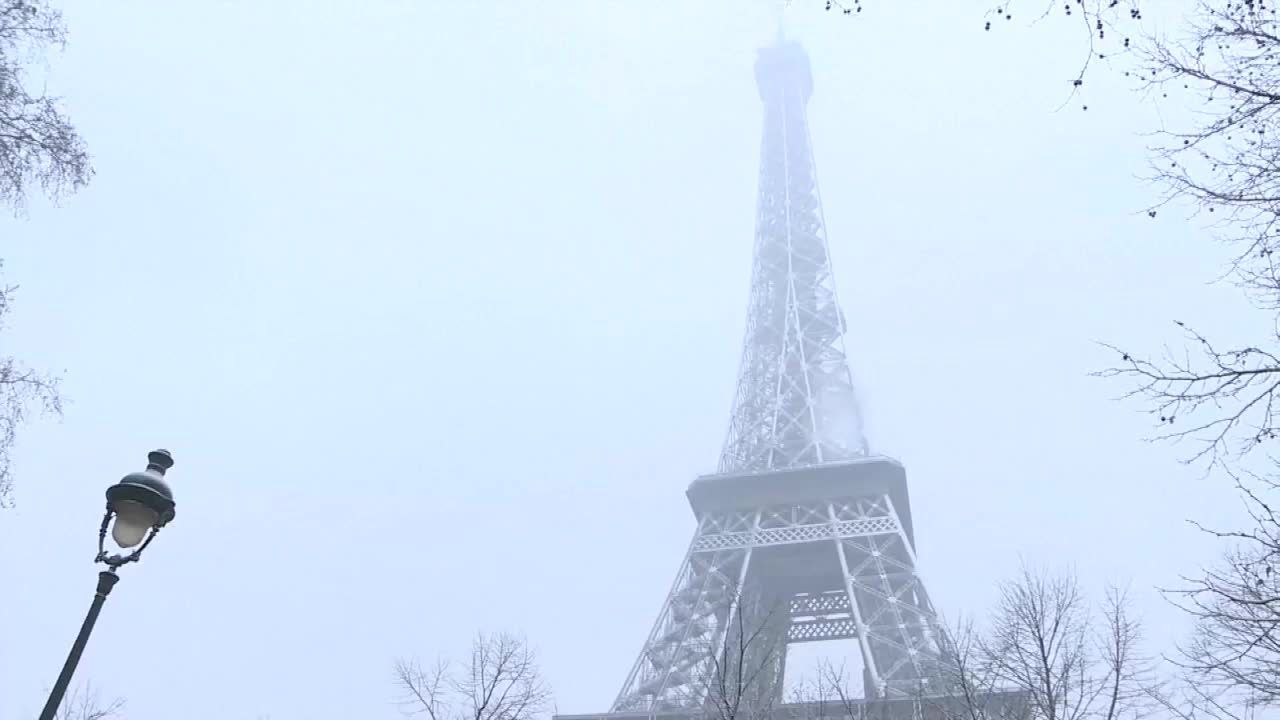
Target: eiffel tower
{"x": 800, "y": 514}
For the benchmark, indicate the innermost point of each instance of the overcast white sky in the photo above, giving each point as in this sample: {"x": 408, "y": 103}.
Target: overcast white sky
{"x": 438, "y": 306}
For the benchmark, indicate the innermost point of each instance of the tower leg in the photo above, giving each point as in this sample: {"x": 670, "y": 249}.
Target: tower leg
{"x": 898, "y": 628}
{"x": 871, "y": 685}
{"x": 677, "y": 661}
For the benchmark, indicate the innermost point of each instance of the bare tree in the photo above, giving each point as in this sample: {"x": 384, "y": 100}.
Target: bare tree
{"x": 21, "y": 390}
{"x": 1046, "y": 643}
{"x": 84, "y": 704}
{"x": 1224, "y": 399}
{"x": 38, "y": 144}
{"x": 741, "y": 678}
{"x": 973, "y": 687}
{"x": 818, "y": 697}
{"x": 500, "y": 681}
{"x": 1234, "y": 651}
{"x": 1047, "y": 654}
{"x": 830, "y": 688}
{"x": 38, "y": 147}
{"x": 1225, "y": 165}
{"x": 830, "y": 694}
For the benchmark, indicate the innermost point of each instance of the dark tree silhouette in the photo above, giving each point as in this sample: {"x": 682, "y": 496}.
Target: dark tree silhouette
{"x": 39, "y": 148}
{"x": 1226, "y": 167}
{"x": 38, "y": 144}
{"x": 1234, "y": 650}
{"x": 500, "y": 681}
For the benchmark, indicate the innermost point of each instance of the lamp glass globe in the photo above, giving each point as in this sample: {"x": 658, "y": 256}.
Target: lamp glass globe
{"x": 132, "y": 522}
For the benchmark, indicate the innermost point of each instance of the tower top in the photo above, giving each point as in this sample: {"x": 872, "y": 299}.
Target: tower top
{"x": 783, "y": 69}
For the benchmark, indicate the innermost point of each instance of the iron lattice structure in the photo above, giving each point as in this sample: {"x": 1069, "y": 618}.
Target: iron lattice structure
{"x": 831, "y": 546}
{"x": 799, "y": 515}
{"x": 795, "y": 403}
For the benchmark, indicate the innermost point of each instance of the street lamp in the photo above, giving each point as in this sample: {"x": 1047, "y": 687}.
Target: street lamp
{"x": 140, "y": 504}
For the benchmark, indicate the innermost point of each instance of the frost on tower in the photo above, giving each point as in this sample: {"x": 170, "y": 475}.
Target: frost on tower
{"x": 800, "y": 518}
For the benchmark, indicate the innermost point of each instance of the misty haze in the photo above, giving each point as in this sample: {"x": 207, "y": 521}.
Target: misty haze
{"x": 667, "y": 360}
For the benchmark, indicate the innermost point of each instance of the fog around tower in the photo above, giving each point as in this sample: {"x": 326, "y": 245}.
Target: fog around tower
{"x": 441, "y": 307}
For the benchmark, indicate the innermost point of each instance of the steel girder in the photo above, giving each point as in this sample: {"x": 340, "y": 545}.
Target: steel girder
{"x": 876, "y": 596}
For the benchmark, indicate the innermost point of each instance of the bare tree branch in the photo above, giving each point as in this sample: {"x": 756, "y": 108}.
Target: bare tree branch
{"x": 1226, "y": 166}
{"x": 40, "y": 147}
{"x": 38, "y": 144}
{"x": 741, "y": 678}
{"x": 83, "y": 703}
{"x": 1234, "y": 650}
{"x": 21, "y": 391}
{"x": 500, "y": 681}
{"x": 1106, "y": 28}
{"x": 1048, "y": 655}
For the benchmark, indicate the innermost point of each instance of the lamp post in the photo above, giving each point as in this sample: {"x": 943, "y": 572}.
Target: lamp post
{"x": 140, "y": 504}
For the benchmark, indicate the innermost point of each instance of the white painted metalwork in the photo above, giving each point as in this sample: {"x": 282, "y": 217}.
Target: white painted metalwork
{"x": 882, "y": 601}
{"x": 795, "y": 403}
{"x": 671, "y": 670}
{"x": 796, "y": 534}
{"x": 795, "y": 407}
